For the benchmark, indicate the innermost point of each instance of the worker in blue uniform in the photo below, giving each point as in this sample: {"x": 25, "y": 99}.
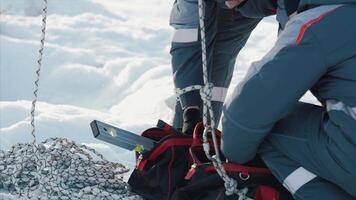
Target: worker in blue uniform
{"x": 311, "y": 149}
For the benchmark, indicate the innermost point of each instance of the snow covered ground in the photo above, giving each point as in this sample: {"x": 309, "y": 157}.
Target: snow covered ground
{"x": 103, "y": 59}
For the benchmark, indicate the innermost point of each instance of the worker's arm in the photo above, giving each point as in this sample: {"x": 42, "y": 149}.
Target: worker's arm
{"x": 271, "y": 89}
{"x": 257, "y": 8}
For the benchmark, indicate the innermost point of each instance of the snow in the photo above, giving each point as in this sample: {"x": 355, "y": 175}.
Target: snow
{"x": 103, "y": 59}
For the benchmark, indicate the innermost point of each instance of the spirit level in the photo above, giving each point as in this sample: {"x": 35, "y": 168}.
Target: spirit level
{"x": 120, "y": 137}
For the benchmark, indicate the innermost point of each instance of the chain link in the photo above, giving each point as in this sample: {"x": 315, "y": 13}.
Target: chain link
{"x": 58, "y": 168}
{"x": 38, "y": 71}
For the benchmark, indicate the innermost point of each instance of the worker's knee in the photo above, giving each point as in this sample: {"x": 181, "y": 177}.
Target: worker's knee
{"x": 184, "y": 14}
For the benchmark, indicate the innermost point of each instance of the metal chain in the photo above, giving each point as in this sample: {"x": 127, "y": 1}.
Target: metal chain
{"x": 58, "y": 168}
{"x": 38, "y": 71}
{"x": 208, "y": 116}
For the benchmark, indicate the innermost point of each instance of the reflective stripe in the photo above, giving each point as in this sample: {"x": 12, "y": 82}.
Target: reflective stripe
{"x": 185, "y": 35}
{"x": 297, "y": 179}
{"x": 311, "y": 22}
{"x": 340, "y": 106}
{"x": 219, "y": 94}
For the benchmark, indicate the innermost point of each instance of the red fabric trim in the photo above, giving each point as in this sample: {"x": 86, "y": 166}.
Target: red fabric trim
{"x": 165, "y": 145}
{"x": 266, "y": 193}
{"x": 305, "y": 27}
{"x": 229, "y": 167}
{"x": 197, "y": 128}
{"x": 167, "y": 128}
{"x": 141, "y": 165}
{"x": 190, "y": 174}
{"x": 168, "y": 143}
{"x": 170, "y": 171}
{"x": 162, "y": 148}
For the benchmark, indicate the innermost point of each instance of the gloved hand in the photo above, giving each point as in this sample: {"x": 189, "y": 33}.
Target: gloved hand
{"x": 191, "y": 117}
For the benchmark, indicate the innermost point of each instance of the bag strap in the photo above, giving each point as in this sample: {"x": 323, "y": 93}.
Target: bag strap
{"x": 199, "y": 128}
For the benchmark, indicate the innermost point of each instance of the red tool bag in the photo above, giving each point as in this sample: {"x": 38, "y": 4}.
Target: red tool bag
{"x": 178, "y": 169}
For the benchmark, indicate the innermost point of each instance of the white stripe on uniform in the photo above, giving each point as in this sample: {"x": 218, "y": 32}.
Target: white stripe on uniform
{"x": 297, "y": 179}
{"x": 185, "y": 35}
{"x": 219, "y": 94}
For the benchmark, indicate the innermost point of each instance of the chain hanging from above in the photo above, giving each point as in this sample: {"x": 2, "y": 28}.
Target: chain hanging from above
{"x": 38, "y": 71}
{"x": 59, "y": 168}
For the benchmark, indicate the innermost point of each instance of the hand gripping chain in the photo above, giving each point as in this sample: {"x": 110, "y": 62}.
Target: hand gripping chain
{"x": 58, "y": 168}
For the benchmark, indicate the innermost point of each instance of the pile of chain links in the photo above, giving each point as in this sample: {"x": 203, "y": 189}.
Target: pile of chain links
{"x": 59, "y": 168}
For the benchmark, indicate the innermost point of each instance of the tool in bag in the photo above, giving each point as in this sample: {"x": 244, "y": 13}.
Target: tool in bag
{"x": 173, "y": 165}
{"x": 120, "y": 137}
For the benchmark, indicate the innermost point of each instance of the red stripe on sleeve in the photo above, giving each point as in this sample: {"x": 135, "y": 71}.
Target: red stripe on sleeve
{"x": 305, "y": 27}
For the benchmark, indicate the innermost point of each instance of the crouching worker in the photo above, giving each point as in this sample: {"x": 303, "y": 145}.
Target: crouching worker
{"x": 311, "y": 149}
{"x": 226, "y": 32}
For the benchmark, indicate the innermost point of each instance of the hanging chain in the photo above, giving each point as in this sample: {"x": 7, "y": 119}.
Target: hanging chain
{"x": 38, "y": 72}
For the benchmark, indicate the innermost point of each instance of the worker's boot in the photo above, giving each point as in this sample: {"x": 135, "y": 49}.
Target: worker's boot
{"x": 191, "y": 117}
